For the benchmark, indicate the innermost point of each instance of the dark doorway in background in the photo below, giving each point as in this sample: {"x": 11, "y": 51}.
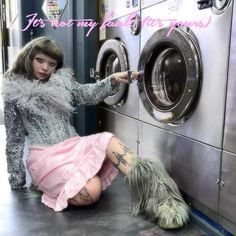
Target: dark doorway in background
{"x": 3, "y": 38}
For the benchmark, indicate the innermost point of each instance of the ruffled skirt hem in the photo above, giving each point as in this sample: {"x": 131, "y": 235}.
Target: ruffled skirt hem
{"x": 62, "y": 170}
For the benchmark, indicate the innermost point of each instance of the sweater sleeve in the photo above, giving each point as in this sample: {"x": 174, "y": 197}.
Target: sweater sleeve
{"x": 15, "y": 138}
{"x": 93, "y": 93}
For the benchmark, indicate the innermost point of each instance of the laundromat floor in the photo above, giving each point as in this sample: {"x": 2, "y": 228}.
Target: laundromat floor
{"x": 23, "y": 214}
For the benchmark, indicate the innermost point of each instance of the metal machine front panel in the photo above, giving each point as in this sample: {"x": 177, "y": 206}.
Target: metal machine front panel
{"x": 196, "y": 169}
{"x": 228, "y": 225}
{"x": 123, "y": 127}
{"x": 129, "y": 105}
{"x": 206, "y": 122}
{"x": 147, "y": 3}
{"x": 194, "y": 166}
{"x": 154, "y": 143}
{"x": 131, "y": 42}
{"x": 230, "y": 121}
{"x": 227, "y": 203}
{"x": 113, "y": 9}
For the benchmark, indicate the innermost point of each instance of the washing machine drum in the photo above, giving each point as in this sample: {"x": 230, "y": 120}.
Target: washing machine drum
{"x": 171, "y": 75}
{"x": 112, "y": 58}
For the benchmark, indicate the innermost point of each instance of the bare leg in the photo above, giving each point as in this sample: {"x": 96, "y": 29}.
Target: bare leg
{"x": 154, "y": 193}
{"x": 120, "y": 155}
{"x": 89, "y": 194}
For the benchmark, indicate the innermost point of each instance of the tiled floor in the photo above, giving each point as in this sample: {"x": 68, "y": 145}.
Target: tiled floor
{"x": 23, "y": 214}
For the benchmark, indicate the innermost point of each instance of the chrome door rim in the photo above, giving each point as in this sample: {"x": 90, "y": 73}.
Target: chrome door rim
{"x": 186, "y": 45}
{"x": 116, "y": 49}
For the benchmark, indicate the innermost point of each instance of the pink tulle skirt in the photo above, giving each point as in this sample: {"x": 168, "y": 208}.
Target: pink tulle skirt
{"x": 62, "y": 170}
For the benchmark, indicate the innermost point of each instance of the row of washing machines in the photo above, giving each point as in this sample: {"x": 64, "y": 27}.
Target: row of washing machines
{"x": 183, "y": 108}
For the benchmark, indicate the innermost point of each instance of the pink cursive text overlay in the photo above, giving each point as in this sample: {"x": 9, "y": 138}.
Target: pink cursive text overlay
{"x": 34, "y": 21}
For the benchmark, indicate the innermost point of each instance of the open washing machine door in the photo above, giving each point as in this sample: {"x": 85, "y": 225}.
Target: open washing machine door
{"x": 112, "y": 57}
{"x": 171, "y": 75}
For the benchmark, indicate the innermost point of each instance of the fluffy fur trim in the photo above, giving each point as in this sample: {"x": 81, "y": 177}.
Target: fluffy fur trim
{"x": 35, "y": 95}
{"x": 156, "y": 195}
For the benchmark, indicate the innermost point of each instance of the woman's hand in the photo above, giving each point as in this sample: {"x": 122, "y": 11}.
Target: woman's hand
{"x": 123, "y": 77}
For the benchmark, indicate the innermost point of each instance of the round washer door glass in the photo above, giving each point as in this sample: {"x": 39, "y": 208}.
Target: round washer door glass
{"x": 171, "y": 75}
{"x": 112, "y": 58}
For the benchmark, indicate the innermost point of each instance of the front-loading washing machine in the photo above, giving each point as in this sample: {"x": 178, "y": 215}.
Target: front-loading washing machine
{"x": 120, "y": 52}
{"x": 185, "y": 69}
{"x": 184, "y": 62}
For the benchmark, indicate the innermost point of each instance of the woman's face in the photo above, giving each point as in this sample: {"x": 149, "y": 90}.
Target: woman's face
{"x": 43, "y": 66}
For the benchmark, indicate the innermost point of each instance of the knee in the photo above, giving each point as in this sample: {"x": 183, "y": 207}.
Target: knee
{"x": 94, "y": 188}
{"x": 89, "y": 194}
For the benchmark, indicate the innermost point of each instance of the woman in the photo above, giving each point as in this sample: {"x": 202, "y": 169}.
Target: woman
{"x": 39, "y": 95}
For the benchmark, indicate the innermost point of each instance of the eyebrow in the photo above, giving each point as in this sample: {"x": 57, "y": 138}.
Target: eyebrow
{"x": 41, "y": 57}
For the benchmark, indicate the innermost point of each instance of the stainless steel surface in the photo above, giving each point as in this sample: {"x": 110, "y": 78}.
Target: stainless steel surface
{"x": 206, "y": 122}
{"x": 123, "y": 127}
{"x": 228, "y": 225}
{"x": 113, "y": 9}
{"x": 147, "y": 3}
{"x": 213, "y": 215}
{"x": 154, "y": 143}
{"x": 230, "y": 121}
{"x": 193, "y": 165}
{"x": 131, "y": 44}
{"x": 227, "y": 203}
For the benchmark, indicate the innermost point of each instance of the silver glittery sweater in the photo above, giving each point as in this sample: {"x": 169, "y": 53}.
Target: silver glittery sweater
{"x": 43, "y": 111}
